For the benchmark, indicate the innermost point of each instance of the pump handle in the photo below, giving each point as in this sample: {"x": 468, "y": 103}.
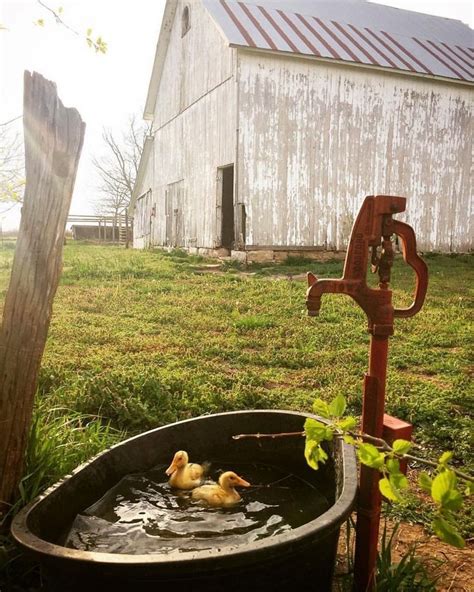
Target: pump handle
{"x": 408, "y": 243}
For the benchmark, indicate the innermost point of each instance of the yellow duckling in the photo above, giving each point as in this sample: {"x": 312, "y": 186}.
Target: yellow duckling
{"x": 223, "y": 493}
{"x": 182, "y": 473}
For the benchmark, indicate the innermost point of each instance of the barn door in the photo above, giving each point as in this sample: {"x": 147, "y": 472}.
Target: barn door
{"x": 174, "y": 204}
{"x": 225, "y": 207}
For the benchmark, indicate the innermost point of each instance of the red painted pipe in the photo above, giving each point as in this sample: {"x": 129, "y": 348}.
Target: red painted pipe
{"x": 372, "y": 231}
{"x": 370, "y": 499}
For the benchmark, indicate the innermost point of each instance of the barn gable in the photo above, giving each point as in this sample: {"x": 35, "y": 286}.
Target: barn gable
{"x": 193, "y": 59}
{"x": 191, "y": 85}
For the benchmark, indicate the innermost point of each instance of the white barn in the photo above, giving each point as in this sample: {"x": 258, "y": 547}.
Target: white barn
{"x": 273, "y": 119}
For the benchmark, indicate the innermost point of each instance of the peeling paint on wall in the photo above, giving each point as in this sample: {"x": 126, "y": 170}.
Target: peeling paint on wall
{"x": 315, "y": 139}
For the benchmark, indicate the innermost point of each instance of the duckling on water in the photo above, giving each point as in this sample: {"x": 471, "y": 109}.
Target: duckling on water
{"x": 223, "y": 493}
{"x": 182, "y": 473}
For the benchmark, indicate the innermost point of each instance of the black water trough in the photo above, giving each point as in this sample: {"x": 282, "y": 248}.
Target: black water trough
{"x": 302, "y": 558}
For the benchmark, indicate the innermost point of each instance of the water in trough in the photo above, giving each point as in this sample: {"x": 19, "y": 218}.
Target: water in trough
{"x": 143, "y": 515}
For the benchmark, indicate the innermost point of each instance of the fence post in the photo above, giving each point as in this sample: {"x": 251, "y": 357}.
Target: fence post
{"x": 53, "y": 142}
{"x": 127, "y": 239}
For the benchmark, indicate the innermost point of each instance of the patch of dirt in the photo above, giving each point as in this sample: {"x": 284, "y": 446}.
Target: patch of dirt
{"x": 272, "y": 384}
{"x": 454, "y": 568}
{"x": 285, "y": 276}
{"x": 216, "y": 269}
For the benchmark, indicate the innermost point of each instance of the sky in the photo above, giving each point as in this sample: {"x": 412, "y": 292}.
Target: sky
{"x": 106, "y": 89}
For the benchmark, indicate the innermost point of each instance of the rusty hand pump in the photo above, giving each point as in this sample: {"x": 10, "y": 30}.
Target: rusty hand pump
{"x": 372, "y": 233}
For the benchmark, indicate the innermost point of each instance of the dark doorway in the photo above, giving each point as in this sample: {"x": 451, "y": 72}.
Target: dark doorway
{"x": 228, "y": 236}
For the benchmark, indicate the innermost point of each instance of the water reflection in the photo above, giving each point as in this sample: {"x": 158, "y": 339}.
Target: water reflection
{"x": 143, "y": 515}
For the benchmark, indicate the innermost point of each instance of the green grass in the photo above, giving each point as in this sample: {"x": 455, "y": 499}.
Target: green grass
{"x": 145, "y": 338}
{"x": 140, "y": 339}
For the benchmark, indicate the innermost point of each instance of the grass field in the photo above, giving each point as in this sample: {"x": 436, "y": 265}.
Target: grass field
{"x": 140, "y": 339}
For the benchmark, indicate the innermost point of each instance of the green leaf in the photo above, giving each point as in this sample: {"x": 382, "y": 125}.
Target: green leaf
{"x": 442, "y": 484}
{"x": 445, "y": 458}
{"x": 401, "y": 446}
{"x": 348, "y": 423}
{"x": 317, "y": 431}
{"x": 393, "y": 465}
{"x": 321, "y": 408}
{"x": 452, "y": 500}
{"x": 314, "y": 454}
{"x": 337, "y": 406}
{"x": 448, "y": 532}
{"x": 425, "y": 482}
{"x": 349, "y": 439}
{"x": 387, "y": 490}
{"x": 469, "y": 488}
{"x": 370, "y": 456}
{"x": 398, "y": 481}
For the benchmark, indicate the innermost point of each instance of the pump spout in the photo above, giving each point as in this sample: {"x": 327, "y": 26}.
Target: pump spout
{"x": 313, "y": 305}
{"x": 317, "y": 288}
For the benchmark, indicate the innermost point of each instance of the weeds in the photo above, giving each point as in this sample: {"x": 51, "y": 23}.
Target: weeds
{"x": 408, "y": 575}
{"x": 60, "y": 439}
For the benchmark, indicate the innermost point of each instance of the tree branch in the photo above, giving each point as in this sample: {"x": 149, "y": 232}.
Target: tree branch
{"x": 118, "y": 169}
{"x": 379, "y": 442}
{"x": 58, "y": 19}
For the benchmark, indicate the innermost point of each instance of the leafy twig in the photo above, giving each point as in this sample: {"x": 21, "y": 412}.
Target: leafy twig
{"x": 57, "y": 17}
{"x": 272, "y": 436}
{"x": 380, "y": 443}
{"x": 378, "y": 454}
{"x": 99, "y": 45}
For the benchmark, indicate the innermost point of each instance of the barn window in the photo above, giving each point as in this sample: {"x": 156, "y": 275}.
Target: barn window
{"x": 185, "y": 21}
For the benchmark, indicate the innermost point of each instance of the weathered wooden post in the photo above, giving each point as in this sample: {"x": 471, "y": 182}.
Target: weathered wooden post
{"x": 53, "y": 142}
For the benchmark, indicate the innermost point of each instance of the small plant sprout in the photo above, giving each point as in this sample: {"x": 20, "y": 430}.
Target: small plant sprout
{"x": 444, "y": 486}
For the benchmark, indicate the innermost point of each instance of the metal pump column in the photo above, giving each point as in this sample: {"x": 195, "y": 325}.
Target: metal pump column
{"x": 373, "y": 230}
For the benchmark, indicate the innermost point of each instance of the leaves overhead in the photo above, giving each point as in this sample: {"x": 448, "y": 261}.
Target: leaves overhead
{"x": 97, "y": 43}
{"x": 448, "y": 532}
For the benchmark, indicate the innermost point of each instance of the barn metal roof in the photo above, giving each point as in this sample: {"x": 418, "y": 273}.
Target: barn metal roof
{"x": 350, "y": 31}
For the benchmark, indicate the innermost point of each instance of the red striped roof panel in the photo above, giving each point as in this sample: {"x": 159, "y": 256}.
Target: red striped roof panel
{"x": 351, "y": 31}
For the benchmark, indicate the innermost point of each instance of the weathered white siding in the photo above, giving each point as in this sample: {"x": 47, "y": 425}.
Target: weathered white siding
{"x": 190, "y": 149}
{"x": 144, "y": 191}
{"x": 195, "y": 64}
{"x": 315, "y": 139}
{"x": 194, "y": 131}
